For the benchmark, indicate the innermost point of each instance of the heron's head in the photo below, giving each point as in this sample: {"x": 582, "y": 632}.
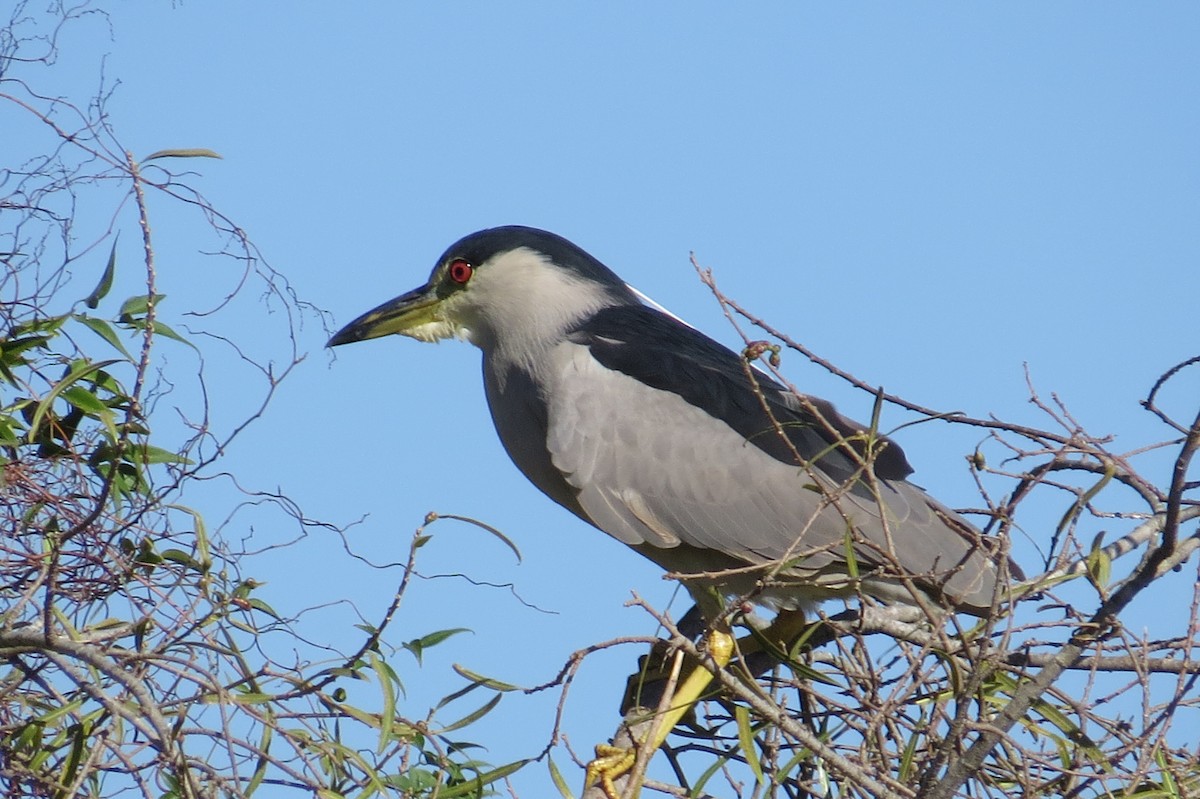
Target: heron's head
{"x": 515, "y": 288}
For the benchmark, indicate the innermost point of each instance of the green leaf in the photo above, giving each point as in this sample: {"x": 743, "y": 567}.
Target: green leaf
{"x": 475, "y": 786}
{"x": 387, "y": 716}
{"x": 112, "y": 622}
{"x": 414, "y": 782}
{"x": 82, "y": 370}
{"x": 248, "y": 698}
{"x": 803, "y": 671}
{"x": 148, "y": 454}
{"x": 433, "y": 639}
{"x": 161, "y": 329}
{"x": 1170, "y": 789}
{"x": 486, "y": 682}
{"x": 9, "y": 436}
{"x": 105, "y": 331}
{"x": 203, "y": 555}
{"x": 557, "y": 778}
{"x": 473, "y": 716}
{"x": 707, "y": 774}
{"x": 57, "y": 713}
{"x": 418, "y": 645}
{"x": 138, "y": 305}
{"x": 260, "y": 769}
{"x": 185, "y": 152}
{"x": 906, "y": 758}
{"x": 782, "y": 773}
{"x": 359, "y": 715}
{"x": 42, "y": 327}
{"x": 80, "y": 733}
{"x": 183, "y": 559}
{"x": 1071, "y": 732}
{"x": 90, "y": 404}
{"x": 746, "y": 742}
{"x": 1099, "y": 564}
{"x": 851, "y": 559}
{"x": 146, "y": 556}
{"x": 106, "y": 279}
{"x": 26, "y": 336}
{"x": 86, "y": 401}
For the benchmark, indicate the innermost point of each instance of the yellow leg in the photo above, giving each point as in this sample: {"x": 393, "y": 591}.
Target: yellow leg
{"x": 720, "y": 648}
{"x": 613, "y": 762}
{"x": 610, "y": 763}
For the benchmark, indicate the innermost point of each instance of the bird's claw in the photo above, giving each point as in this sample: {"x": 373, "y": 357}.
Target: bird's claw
{"x": 610, "y": 763}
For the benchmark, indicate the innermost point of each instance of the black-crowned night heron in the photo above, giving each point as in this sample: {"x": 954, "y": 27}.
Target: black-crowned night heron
{"x": 667, "y": 441}
{"x": 672, "y": 444}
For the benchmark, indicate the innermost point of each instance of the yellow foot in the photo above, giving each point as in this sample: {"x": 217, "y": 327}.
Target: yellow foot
{"x": 611, "y": 763}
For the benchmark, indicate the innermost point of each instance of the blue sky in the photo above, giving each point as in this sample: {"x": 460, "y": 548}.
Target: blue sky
{"x": 930, "y": 195}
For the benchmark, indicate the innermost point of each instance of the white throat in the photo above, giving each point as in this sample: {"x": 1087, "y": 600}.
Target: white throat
{"x": 519, "y": 304}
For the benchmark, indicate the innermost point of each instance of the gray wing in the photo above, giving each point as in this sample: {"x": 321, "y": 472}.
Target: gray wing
{"x": 655, "y": 469}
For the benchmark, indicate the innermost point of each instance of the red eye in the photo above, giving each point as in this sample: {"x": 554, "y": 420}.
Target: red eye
{"x": 460, "y": 271}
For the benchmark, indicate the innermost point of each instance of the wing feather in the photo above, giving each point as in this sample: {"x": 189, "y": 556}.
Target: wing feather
{"x": 656, "y": 469}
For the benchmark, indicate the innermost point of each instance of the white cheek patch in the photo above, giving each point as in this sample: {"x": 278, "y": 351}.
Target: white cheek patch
{"x": 433, "y": 331}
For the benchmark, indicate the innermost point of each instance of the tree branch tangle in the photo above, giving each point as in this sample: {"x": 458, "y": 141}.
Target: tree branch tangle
{"x": 139, "y": 655}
